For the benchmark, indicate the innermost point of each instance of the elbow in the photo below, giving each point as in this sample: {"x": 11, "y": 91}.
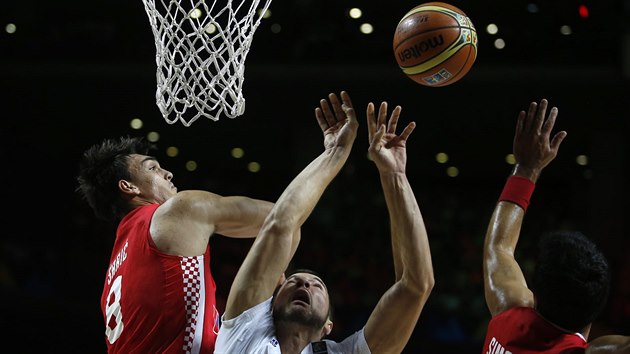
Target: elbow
{"x": 421, "y": 286}
{"x": 426, "y": 286}
{"x": 276, "y": 225}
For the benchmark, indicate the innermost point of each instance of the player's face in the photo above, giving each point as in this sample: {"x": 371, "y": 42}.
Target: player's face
{"x": 302, "y": 298}
{"x": 153, "y": 182}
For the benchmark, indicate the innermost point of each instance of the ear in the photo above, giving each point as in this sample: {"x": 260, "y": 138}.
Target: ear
{"x": 127, "y": 188}
{"x": 281, "y": 279}
{"x": 328, "y": 327}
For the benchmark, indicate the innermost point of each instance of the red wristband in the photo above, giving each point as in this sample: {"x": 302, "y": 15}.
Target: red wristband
{"x": 518, "y": 190}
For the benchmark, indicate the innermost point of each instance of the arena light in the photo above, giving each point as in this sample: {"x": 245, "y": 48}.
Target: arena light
{"x": 583, "y": 11}
{"x": 355, "y": 13}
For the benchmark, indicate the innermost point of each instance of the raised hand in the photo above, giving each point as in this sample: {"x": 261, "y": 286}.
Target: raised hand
{"x": 533, "y": 148}
{"x": 339, "y": 122}
{"x": 387, "y": 149}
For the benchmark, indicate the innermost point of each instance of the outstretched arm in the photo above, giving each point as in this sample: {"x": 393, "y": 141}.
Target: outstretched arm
{"x": 504, "y": 282}
{"x": 183, "y": 225}
{"x": 399, "y": 308}
{"x": 275, "y": 245}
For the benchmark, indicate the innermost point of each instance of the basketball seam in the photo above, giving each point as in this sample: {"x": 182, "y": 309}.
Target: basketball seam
{"x": 448, "y": 12}
{"x": 450, "y": 47}
{"x": 429, "y": 31}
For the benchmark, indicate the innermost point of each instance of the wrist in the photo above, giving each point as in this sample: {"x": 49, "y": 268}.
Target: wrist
{"x": 518, "y": 190}
{"x": 526, "y": 172}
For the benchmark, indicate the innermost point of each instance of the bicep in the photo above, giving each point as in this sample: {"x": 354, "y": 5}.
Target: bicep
{"x": 185, "y": 222}
{"x": 504, "y": 284}
{"x": 233, "y": 216}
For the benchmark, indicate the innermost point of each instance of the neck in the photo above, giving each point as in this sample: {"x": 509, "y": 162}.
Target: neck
{"x": 584, "y": 332}
{"x": 294, "y": 337}
{"x": 139, "y": 201}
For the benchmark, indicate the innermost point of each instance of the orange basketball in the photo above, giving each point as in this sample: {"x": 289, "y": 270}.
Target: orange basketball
{"x": 435, "y": 44}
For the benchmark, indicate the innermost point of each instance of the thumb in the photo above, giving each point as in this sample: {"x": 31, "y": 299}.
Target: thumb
{"x": 557, "y": 139}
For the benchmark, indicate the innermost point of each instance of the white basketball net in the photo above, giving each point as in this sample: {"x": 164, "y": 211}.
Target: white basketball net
{"x": 201, "y": 46}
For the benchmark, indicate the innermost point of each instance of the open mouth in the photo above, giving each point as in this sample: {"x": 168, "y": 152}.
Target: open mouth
{"x": 302, "y": 296}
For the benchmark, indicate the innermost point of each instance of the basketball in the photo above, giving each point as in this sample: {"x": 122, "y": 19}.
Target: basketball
{"x": 435, "y": 44}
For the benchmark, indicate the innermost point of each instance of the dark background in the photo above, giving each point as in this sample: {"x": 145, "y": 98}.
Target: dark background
{"x": 74, "y": 73}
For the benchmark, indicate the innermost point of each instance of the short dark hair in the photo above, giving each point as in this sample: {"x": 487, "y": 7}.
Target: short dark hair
{"x": 100, "y": 169}
{"x": 308, "y": 271}
{"x": 571, "y": 280}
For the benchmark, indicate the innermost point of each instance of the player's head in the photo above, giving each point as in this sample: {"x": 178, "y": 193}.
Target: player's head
{"x": 571, "y": 280}
{"x": 111, "y": 166}
{"x": 303, "y": 299}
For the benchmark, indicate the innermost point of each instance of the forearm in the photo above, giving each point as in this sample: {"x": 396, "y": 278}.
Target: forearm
{"x": 504, "y": 282}
{"x": 243, "y": 216}
{"x": 504, "y": 228}
{"x": 299, "y": 199}
{"x": 280, "y": 234}
{"x": 411, "y": 252}
{"x": 259, "y": 210}
{"x": 401, "y": 305}
{"x": 279, "y": 237}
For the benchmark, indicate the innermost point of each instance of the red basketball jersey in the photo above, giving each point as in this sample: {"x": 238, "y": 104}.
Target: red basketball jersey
{"x": 153, "y": 302}
{"x": 521, "y": 330}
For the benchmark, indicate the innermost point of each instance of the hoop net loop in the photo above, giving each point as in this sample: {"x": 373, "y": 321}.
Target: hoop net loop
{"x": 201, "y": 47}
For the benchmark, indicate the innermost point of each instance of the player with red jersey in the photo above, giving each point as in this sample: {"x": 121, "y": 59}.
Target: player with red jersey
{"x": 159, "y": 294}
{"x": 571, "y": 280}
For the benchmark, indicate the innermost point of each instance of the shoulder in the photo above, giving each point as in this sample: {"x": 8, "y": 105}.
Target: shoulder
{"x": 188, "y": 201}
{"x": 249, "y": 332}
{"x": 515, "y": 316}
{"x": 140, "y": 215}
{"x": 355, "y": 343}
{"x": 520, "y": 312}
{"x": 191, "y": 196}
{"x": 253, "y": 314}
